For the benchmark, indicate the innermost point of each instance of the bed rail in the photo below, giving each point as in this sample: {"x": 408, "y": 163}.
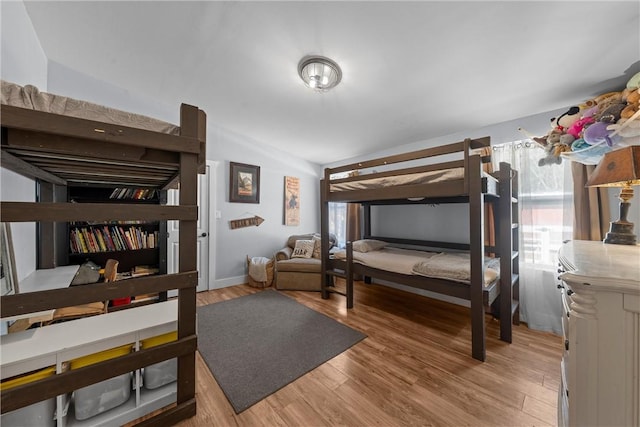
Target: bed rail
{"x": 443, "y": 178}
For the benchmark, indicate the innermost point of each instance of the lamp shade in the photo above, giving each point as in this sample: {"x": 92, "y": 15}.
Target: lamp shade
{"x": 617, "y": 168}
{"x": 319, "y": 73}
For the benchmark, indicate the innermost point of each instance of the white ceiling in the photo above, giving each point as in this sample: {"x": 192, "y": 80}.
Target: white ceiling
{"x": 411, "y": 70}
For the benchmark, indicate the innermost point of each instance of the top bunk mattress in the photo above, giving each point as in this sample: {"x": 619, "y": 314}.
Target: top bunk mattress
{"x": 30, "y": 97}
{"x": 431, "y": 177}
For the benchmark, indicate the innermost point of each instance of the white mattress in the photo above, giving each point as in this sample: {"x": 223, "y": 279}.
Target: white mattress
{"x": 30, "y": 97}
{"x": 430, "y": 177}
{"x": 441, "y": 265}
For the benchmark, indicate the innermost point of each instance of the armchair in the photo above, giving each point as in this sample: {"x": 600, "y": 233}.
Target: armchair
{"x": 298, "y": 273}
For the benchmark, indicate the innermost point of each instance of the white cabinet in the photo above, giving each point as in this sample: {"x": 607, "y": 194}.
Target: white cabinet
{"x": 59, "y": 343}
{"x": 600, "y": 384}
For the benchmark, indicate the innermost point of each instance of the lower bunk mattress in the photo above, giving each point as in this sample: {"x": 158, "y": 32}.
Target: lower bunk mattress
{"x": 454, "y": 266}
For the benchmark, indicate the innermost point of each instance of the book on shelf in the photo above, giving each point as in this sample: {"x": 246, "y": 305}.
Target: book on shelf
{"x": 144, "y": 270}
{"x": 133, "y": 193}
{"x": 114, "y": 238}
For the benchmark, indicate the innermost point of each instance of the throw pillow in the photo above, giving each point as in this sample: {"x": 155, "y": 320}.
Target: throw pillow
{"x": 317, "y": 246}
{"x": 368, "y": 245}
{"x": 303, "y": 249}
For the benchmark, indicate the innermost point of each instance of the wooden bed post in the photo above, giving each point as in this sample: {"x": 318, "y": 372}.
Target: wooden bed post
{"x": 476, "y": 248}
{"x": 324, "y": 234}
{"x": 189, "y": 126}
{"x": 349, "y": 274}
{"x": 506, "y": 252}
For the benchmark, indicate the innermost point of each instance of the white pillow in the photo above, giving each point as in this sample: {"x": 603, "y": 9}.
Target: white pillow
{"x": 303, "y": 249}
{"x": 368, "y": 245}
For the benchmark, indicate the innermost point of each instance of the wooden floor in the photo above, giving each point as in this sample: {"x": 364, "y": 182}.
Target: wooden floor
{"x": 414, "y": 368}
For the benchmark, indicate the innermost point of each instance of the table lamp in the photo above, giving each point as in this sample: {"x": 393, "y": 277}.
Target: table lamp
{"x": 619, "y": 168}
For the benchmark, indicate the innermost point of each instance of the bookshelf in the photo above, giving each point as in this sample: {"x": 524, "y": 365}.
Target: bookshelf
{"x": 134, "y": 244}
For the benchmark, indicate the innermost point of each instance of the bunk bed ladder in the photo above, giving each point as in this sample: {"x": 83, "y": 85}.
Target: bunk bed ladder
{"x": 508, "y": 243}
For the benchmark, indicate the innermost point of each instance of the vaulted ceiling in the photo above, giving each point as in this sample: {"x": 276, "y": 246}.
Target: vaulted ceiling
{"x": 411, "y": 70}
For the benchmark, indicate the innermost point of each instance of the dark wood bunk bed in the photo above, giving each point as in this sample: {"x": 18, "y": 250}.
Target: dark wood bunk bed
{"x": 58, "y": 150}
{"x": 467, "y": 184}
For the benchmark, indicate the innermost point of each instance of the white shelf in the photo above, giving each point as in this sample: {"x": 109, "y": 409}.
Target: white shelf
{"x": 42, "y": 347}
{"x": 150, "y": 400}
{"x": 44, "y": 280}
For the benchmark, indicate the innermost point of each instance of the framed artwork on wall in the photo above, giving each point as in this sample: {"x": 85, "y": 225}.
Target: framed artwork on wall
{"x": 8, "y": 275}
{"x": 291, "y": 200}
{"x": 244, "y": 183}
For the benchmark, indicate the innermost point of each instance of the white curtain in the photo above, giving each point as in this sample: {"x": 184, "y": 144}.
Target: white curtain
{"x": 544, "y": 203}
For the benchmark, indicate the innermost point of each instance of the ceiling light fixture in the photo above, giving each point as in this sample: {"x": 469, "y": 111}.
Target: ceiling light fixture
{"x": 319, "y": 73}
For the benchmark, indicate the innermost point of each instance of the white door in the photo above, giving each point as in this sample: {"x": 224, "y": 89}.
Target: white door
{"x": 203, "y": 233}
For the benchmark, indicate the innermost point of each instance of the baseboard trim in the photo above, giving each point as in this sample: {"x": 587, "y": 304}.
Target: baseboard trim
{"x": 229, "y": 281}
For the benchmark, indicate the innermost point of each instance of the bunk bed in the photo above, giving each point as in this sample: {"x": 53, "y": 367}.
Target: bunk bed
{"x": 451, "y": 173}
{"x": 59, "y": 141}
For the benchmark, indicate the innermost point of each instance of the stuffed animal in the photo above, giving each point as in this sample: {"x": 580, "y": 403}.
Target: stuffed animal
{"x": 576, "y": 129}
{"x": 634, "y": 81}
{"x": 566, "y": 119}
{"x": 633, "y": 104}
{"x": 555, "y": 142}
{"x": 598, "y": 133}
{"x": 610, "y": 111}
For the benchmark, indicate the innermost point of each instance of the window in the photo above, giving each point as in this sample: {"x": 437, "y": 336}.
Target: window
{"x": 545, "y": 194}
{"x": 338, "y": 222}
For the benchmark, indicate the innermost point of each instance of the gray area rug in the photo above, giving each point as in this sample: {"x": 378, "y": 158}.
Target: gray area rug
{"x": 256, "y": 344}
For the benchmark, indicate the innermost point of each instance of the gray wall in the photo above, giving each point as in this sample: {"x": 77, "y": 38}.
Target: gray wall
{"x": 232, "y": 246}
{"x": 23, "y": 61}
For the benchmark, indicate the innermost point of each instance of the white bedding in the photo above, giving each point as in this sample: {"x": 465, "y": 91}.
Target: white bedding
{"x": 431, "y": 177}
{"x": 389, "y": 259}
{"x": 30, "y": 97}
{"x": 441, "y": 265}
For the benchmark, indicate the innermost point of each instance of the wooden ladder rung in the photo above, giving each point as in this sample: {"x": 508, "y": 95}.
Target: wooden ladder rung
{"x": 336, "y": 273}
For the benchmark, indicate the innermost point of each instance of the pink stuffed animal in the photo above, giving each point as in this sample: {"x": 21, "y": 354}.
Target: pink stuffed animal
{"x": 576, "y": 128}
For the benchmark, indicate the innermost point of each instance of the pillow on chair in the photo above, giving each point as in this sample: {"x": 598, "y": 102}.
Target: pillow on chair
{"x": 317, "y": 246}
{"x": 303, "y": 249}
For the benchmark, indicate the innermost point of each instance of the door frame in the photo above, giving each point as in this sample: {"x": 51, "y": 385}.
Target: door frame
{"x": 213, "y": 205}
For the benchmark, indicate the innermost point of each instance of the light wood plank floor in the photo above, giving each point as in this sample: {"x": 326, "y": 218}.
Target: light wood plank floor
{"x": 414, "y": 368}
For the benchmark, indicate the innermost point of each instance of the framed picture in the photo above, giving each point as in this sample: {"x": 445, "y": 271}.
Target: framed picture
{"x": 244, "y": 183}
{"x": 291, "y": 200}
{"x": 8, "y": 275}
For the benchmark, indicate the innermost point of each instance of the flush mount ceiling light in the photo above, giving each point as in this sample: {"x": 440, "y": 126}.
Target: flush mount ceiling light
{"x": 319, "y": 73}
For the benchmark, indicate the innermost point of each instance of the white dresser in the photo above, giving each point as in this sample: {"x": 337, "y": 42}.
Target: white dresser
{"x": 600, "y": 367}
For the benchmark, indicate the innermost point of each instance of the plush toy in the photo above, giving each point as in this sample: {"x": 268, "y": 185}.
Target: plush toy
{"x": 566, "y": 119}
{"x": 576, "y": 129}
{"x": 633, "y": 104}
{"x": 634, "y": 81}
{"x": 554, "y": 143}
{"x": 550, "y": 158}
{"x": 598, "y": 132}
{"x": 610, "y": 111}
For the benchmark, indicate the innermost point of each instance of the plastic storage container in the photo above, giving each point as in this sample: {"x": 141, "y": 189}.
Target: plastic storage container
{"x": 108, "y": 394}
{"x": 38, "y": 414}
{"x": 160, "y": 373}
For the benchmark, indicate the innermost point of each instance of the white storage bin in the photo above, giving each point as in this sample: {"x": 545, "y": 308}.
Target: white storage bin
{"x": 97, "y": 398}
{"x": 160, "y": 373}
{"x": 37, "y": 414}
